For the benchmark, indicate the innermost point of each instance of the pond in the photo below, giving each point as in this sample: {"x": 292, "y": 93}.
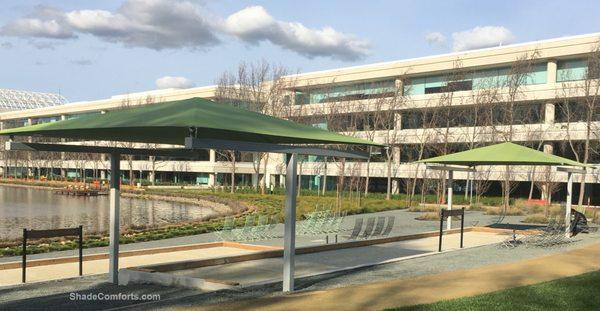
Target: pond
{"x": 30, "y": 208}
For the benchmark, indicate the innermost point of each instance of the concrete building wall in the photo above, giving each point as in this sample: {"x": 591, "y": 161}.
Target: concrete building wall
{"x": 549, "y": 53}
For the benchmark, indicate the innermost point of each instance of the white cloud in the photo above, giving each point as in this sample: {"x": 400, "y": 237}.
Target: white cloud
{"x": 481, "y": 37}
{"x": 254, "y": 24}
{"x": 155, "y": 24}
{"x": 44, "y": 22}
{"x": 166, "y": 24}
{"x": 435, "y": 38}
{"x": 167, "y": 82}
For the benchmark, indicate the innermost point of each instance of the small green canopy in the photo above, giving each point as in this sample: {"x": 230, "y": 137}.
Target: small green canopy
{"x": 501, "y": 154}
{"x": 169, "y": 123}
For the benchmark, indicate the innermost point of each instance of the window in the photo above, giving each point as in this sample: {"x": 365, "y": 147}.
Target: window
{"x": 45, "y": 120}
{"x": 79, "y": 115}
{"x": 524, "y": 113}
{"x": 364, "y": 90}
{"x": 454, "y": 86}
{"x": 576, "y": 112}
{"x": 322, "y": 125}
{"x": 538, "y": 74}
{"x": 528, "y": 113}
{"x": 202, "y": 179}
{"x": 424, "y": 85}
{"x": 571, "y": 70}
{"x": 479, "y": 79}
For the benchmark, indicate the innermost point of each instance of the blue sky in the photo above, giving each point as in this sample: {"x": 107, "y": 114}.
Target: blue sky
{"x": 94, "y": 49}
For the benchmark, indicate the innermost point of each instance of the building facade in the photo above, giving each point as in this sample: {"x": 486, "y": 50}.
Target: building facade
{"x": 541, "y": 94}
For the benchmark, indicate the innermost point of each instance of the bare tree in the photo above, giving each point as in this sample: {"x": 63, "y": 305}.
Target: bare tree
{"x": 520, "y": 71}
{"x": 125, "y": 104}
{"x": 585, "y": 109}
{"x": 153, "y": 164}
{"x": 548, "y": 186}
{"x": 259, "y": 87}
{"x": 385, "y": 124}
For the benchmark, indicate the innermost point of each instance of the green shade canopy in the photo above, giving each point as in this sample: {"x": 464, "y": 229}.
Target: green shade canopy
{"x": 501, "y": 154}
{"x": 170, "y": 123}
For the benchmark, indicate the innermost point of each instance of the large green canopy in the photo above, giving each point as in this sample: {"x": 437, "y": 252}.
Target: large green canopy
{"x": 501, "y": 154}
{"x": 170, "y": 123}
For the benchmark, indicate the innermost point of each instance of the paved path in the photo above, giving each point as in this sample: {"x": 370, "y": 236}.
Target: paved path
{"x": 405, "y": 224}
{"x": 270, "y": 269}
{"x": 431, "y": 288}
{"x": 55, "y": 295}
{"x": 100, "y": 266}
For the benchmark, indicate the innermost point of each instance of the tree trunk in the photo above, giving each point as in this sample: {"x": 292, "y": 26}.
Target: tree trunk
{"x": 299, "y": 178}
{"x": 130, "y": 162}
{"x": 233, "y": 174}
{"x": 388, "y": 195}
{"x": 341, "y": 181}
{"x": 263, "y": 182}
{"x": 153, "y": 163}
{"x": 367, "y": 177}
{"x": 325, "y": 176}
{"x": 506, "y": 190}
{"x": 532, "y": 183}
{"x": 586, "y": 153}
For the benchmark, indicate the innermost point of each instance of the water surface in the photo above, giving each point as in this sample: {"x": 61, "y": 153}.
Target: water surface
{"x": 42, "y": 209}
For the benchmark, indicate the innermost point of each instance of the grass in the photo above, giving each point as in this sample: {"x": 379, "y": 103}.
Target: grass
{"x": 425, "y": 208}
{"x": 573, "y": 293}
{"x": 512, "y": 211}
{"x": 429, "y": 216}
{"x": 536, "y": 219}
{"x": 305, "y": 204}
{"x": 476, "y": 207}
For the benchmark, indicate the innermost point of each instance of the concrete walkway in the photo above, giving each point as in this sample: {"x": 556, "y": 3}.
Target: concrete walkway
{"x": 431, "y": 288}
{"x": 92, "y": 267}
{"x": 55, "y": 295}
{"x": 270, "y": 269}
{"x": 405, "y": 224}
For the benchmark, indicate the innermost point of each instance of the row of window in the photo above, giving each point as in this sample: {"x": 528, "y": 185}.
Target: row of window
{"x": 529, "y": 113}
{"x": 442, "y": 117}
{"x": 477, "y": 80}
{"x": 363, "y": 90}
{"x": 576, "y": 111}
{"x": 351, "y": 122}
{"x": 567, "y": 70}
{"x": 41, "y": 120}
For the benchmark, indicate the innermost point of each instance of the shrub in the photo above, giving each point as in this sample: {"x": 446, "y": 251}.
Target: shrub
{"x": 476, "y": 207}
{"x": 500, "y": 211}
{"x": 424, "y": 208}
{"x": 536, "y": 219}
{"x": 429, "y": 216}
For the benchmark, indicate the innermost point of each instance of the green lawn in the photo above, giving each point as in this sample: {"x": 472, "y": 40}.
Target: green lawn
{"x": 580, "y": 292}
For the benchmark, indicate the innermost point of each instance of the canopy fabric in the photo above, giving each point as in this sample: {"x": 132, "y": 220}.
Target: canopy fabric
{"x": 170, "y": 123}
{"x": 502, "y": 154}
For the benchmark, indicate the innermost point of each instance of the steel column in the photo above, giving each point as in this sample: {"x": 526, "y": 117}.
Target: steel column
{"x": 115, "y": 172}
{"x": 568, "y": 203}
{"x": 289, "y": 236}
{"x": 449, "y": 197}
